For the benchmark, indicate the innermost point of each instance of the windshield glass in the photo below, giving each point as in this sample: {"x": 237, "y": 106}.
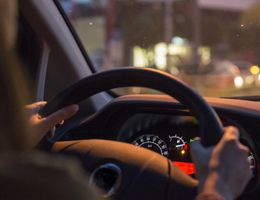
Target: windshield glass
{"x": 213, "y": 45}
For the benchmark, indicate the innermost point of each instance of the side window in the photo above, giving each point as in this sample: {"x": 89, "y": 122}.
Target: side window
{"x": 29, "y": 51}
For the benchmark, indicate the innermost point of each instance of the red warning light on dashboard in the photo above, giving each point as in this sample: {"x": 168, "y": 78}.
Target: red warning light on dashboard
{"x": 187, "y": 168}
{"x": 186, "y": 147}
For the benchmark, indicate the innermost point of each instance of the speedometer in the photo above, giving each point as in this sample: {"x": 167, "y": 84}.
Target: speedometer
{"x": 153, "y": 143}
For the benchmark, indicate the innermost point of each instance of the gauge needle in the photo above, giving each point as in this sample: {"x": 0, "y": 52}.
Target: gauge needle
{"x": 180, "y": 145}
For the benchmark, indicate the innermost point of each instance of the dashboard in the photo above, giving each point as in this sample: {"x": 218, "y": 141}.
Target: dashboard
{"x": 161, "y": 124}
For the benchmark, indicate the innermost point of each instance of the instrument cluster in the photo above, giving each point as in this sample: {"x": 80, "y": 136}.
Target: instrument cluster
{"x": 171, "y": 137}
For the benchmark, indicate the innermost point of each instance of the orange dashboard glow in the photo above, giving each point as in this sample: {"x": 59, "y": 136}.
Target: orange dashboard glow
{"x": 187, "y": 168}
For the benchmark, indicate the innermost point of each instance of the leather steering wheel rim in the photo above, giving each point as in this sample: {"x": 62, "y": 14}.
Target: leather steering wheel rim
{"x": 211, "y": 128}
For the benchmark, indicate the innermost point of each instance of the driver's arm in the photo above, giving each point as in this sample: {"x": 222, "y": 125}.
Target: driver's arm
{"x": 43, "y": 125}
{"x": 223, "y": 171}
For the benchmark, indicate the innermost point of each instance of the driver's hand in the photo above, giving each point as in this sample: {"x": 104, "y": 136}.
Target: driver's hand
{"x": 223, "y": 169}
{"x": 42, "y": 125}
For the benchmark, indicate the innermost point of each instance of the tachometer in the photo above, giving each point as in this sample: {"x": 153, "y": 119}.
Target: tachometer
{"x": 153, "y": 143}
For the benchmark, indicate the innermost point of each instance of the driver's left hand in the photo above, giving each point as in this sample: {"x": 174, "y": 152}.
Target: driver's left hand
{"x": 42, "y": 125}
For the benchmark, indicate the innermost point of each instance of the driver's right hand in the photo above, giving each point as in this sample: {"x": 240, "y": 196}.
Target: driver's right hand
{"x": 224, "y": 169}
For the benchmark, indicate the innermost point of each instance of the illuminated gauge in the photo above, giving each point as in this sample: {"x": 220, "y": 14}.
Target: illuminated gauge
{"x": 153, "y": 143}
{"x": 177, "y": 143}
{"x": 178, "y": 148}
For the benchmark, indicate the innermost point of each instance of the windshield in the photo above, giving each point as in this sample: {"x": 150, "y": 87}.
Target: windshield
{"x": 213, "y": 45}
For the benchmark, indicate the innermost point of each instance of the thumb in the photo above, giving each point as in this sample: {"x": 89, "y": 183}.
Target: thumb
{"x": 197, "y": 150}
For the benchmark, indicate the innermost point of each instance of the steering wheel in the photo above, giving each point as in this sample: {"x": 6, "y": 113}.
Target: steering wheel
{"x": 143, "y": 174}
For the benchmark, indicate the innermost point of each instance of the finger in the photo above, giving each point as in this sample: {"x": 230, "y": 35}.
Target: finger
{"x": 244, "y": 148}
{"x": 230, "y": 137}
{"x": 196, "y": 150}
{"x": 231, "y": 131}
{"x": 50, "y": 121}
{"x": 36, "y": 105}
{"x": 196, "y": 143}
